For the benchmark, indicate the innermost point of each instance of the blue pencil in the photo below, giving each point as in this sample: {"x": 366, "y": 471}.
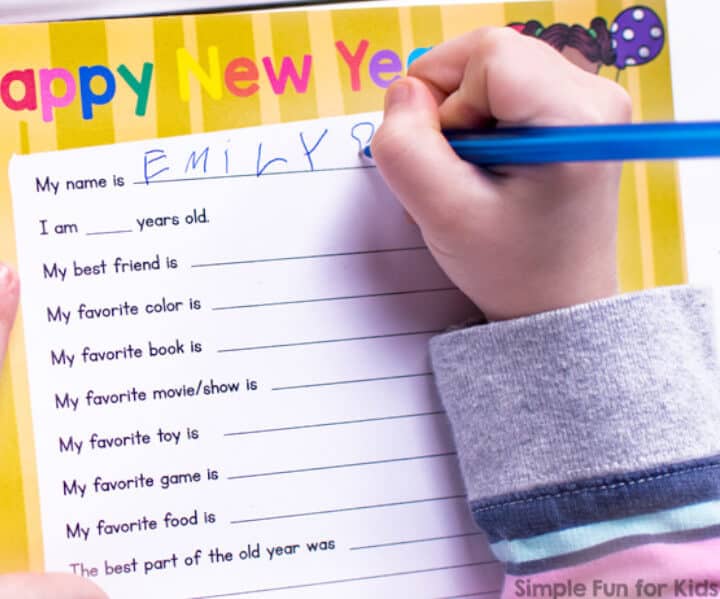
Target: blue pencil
{"x": 542, "y": 145}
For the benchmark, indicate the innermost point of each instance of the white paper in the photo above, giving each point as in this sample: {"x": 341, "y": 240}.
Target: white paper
{"x": 306, "y": 282}
{"x": 697, "y": 97}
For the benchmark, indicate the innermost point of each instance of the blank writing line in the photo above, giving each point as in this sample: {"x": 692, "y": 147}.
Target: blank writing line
{"x": 352, "y": 465}
{"x": 257, "y": 176}
{"x": 322, "y": 341}
{"x": 413, "y": 541}
{"x": 311, "y": 256}
{"x": 343, "y": 580}
{"x": 350, "y": 509}
{"x": 335, "y": 299}
{"x": 110, "y": 232}
{"x": 338, "y": 423}
{"x": 355, "y": 381}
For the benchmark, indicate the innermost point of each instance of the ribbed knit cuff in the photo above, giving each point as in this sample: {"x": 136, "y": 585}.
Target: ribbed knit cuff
{"x": 618, "y": 385}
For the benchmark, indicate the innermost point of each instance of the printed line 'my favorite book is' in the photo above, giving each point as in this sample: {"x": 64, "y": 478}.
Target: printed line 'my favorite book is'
{"x": 219, "y": 383}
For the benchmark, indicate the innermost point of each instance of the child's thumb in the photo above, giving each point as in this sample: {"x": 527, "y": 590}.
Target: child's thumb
{"x": 9, "y": 291}
{"x": 413, "y": 156}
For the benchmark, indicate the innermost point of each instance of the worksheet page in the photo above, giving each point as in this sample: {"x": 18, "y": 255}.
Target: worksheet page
{"x": 218, "y": 384}
{"x": 227, "y": 344}
{"x": 697, "y": 98}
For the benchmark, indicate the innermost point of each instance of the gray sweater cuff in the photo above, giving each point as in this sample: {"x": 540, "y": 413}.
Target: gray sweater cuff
{"x": 612, "y": 386}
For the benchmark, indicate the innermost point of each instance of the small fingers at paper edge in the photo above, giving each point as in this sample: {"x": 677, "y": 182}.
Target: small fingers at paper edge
{"x": 48, "y": 586}
{"x": 9, "y": 294}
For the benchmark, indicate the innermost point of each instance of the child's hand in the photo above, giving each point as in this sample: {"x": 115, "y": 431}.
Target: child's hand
{"x": 9, "y": 290}
{"x": 517, "y": 240}
{"x": 47, "y": 586}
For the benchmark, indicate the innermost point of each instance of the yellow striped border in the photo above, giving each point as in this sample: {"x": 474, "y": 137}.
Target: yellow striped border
{"x": 650, "y": 229}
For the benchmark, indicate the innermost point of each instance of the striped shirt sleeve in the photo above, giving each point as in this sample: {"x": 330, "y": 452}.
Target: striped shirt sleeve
{"x": 589, "y": 442}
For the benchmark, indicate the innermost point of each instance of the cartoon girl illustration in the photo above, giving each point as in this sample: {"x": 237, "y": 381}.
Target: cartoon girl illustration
{"x": 587, "y": 48}
{"x": 636, "y": 37}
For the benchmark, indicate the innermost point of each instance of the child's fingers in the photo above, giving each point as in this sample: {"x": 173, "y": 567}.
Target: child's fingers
{"x": 9, "y": 290}
{"x": 514, "y": 79}
{"x": 502, "y": 75}
{"x": 414, "y": 157}
{"x": 47, "y": 586}
{"x": 443, "y": 68}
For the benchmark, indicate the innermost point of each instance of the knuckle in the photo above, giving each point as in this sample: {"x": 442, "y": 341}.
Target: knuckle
{"x": 491, "y": 42}
{"x": 591, "y": 114}
{"x": 612, "y": 103}
{"x": 605, "y": 102}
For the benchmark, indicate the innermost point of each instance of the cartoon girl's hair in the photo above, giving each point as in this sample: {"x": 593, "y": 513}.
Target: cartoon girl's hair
{"x": 594, "y": 43}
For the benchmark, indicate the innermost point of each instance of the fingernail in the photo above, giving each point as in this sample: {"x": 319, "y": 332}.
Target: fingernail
{"x": 398, "y": 94}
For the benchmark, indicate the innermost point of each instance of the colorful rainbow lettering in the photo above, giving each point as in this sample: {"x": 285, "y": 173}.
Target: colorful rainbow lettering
{"x": 635, "y": 37}
{"x": 52, "y": 89}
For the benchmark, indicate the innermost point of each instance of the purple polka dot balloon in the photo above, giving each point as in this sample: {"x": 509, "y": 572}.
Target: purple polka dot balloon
{"x": 638, "y": 36}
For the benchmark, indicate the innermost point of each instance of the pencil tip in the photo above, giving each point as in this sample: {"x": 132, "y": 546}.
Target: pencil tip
{"x": 366, "y": 152}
